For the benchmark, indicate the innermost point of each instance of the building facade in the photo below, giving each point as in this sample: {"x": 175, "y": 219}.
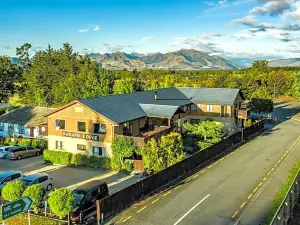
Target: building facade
{"x": 25, "y": 122}
{"x": 88, "y": 126}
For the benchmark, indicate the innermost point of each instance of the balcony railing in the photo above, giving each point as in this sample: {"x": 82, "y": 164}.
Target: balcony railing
{"x": 156, "y": 133}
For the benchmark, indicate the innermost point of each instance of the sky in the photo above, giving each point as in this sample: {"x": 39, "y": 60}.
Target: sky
{"x": 232, "y": 28}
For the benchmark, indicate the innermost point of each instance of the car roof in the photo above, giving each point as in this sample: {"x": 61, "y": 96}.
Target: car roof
{"x": 89, "y": 186}
{"x": 8, "y": 173}
{"x": 35, "y": 176}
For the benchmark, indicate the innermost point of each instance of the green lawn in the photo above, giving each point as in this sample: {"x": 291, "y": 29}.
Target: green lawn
{"x": 281, "y": 194}
{"x": 23, "y": 220}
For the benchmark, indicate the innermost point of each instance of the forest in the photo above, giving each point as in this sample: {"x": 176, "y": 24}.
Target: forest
{"x": 54, "y": 77}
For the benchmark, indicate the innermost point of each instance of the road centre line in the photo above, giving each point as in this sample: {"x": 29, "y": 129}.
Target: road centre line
{"x": 126, "y": 219}
{"x": 177, "y": 187}
{"x": 255, "y": 189}
{"x": 166, "y": 193}
{"x": 259, "y": 184}
{"x": 181, "y": 218}
{"x": 236, "y": 212}
{"x": 243, "y": 204}
{"x": 195, "y": 175}
{"x": 249, "y": 196}
{"x": 142, "y": 209}
{"x": 155, "y": 201}
{"x": 203, "y": 171}
{"x": 264, "y": 178}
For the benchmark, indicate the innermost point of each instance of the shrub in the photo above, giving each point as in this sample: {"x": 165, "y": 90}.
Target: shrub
{"x": 127, "y": 167}
{"x": 39, "y": 143}
{"x": 36, "y": 192}
{"x": 13, "y": 190}
{"x": 57, "y": 157}
{"x": 25, "y": 142}
{"x": 79, "y": 160}
{"x": 61, "y": 201}
{"x": 67, "y": 158}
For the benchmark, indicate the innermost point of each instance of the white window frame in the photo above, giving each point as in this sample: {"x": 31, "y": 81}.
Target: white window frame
{"x": 59, "y": 125}
{"x": 101, "y": 125}
{"x": 60, "y": 146}
{"x": 101, "y": 149}
{"x": 84, "y": 126}
{"x": 81, "y": 149}
{"x": 209, "y": 108}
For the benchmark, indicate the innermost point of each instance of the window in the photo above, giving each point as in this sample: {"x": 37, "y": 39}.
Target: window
{"x": 99, "y": 128}
{"x": 209, "y": 108}
{"x": 43, "y": 179}
{"x": 185, "y": 108}
{"x": 10, "y": 127}
{"x": 21, "y": 129}
{"x": 7, "y": 179}
{"x": 29, "y": 148}
{"x": 81, "y": 147}
{"x": 195, "y": 121}
{"x": 15, "y": 176}
{"x": 58, "y": 145}
{"x": 195, "y": 107}
{"x": 60, "y": 124}
{"x": 98, "y": 151}
{"x": 1, "y": 126}
{"x": 81, "y": 126}
{"x": 184, "y": 122}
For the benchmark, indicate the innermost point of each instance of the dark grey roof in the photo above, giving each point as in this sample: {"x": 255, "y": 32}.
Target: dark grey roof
{"x": 126, "y": 107}
{"x": 225, "y": 96}
{"x": 27, "y": 115}
{"x": 152, "y": 110}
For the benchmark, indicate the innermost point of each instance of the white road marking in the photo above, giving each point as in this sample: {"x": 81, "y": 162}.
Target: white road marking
{"x": 178, "y": 221}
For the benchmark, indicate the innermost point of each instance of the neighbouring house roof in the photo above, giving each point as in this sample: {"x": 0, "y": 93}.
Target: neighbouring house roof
{"x": 152, "y": 110}
{"x": 27, "y": 115}
{"x": 217, "y": 96}
{"x": 125, "y": 107}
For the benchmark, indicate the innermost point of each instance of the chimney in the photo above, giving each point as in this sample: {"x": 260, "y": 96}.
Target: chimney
{"x": 155, "y": 95}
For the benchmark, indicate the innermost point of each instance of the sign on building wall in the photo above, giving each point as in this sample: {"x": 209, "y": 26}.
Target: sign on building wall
{"x": 81, "y": 136}
{"x": 243, "y": 114}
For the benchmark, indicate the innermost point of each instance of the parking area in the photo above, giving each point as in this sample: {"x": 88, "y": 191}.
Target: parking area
{"x": 68, "y": 177}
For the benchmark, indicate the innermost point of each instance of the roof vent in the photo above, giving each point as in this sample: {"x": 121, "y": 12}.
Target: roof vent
{"x": 155, "y": 95}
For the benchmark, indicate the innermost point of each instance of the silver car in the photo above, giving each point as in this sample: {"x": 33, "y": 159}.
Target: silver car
{"x": 3, "y": 151}
{"x": 20, "y": 152}
{"x": 39, "y": 178}
{"x": 6, "y": 177}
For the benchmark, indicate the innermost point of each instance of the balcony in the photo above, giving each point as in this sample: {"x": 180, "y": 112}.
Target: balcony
{"x": 146, "y": 135}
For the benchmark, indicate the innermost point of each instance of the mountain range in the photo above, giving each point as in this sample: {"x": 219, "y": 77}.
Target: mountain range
{"x": 293, "y": 62}
{"x": 185, "y": 59}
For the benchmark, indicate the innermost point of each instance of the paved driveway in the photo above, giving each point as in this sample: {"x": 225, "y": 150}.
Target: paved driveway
{"x": 68, "y": 177}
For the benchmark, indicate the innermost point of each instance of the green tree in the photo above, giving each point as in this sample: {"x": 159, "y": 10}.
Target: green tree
{"x": 260, "y": 105}
{"x": 36, "y": 192}
{"x": 159, "y": 155}
{"x": 10, "y": 74}
{"x": 210, "y": 132}
{"x": 61, "y": 201}
{"x": 122, "y": 147}
{"x": 23, "y": 53}
{"x": 123, "y": 86}
{"x": 13, "y": 190}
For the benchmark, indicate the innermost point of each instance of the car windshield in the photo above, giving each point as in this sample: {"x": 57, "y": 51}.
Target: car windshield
{"x": 27, "y": 182}
{"x": 78, "y": 197}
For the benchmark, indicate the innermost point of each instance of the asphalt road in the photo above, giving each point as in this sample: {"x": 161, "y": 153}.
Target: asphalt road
{"x": 218, "y": 194}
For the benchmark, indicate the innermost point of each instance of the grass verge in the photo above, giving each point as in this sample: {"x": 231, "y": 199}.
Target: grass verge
{"x": 23, "y": 220}
{"x": 281, "y": 194}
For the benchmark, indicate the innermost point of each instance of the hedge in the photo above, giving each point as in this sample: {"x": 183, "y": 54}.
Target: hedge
{"x": 25, "y": 142}
{"x": 281, "y": 194}
{"x": 67, "y": 158}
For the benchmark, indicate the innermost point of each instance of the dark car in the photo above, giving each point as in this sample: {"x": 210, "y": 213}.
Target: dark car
{"x": 86, "y": 196}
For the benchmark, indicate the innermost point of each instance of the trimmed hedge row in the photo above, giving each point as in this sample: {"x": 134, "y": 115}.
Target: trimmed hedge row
{"x": 67, "y": 158}
{"x": 25, "y": 142}
{"x": 281, "y": 194}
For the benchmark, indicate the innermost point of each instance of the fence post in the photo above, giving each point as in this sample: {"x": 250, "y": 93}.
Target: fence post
{"x": 98, "y": 212}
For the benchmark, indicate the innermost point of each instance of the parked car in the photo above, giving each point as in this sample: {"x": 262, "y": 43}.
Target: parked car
{"x": 3, "y": 151}
{"x": 20, "y": 152}
{"x": 8, "y": 176}
{"x": 86, "y": 196}
{"x": 39, "y": 178}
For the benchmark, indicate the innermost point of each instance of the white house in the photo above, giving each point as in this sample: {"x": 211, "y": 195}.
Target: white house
{"x": 26, "y": 121}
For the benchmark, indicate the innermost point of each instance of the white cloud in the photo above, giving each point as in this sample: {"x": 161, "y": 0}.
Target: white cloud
{"x": 210, "y": 3}
{"x": 108, "y": 47}
{"x": 7, "y": 47}
{"x": 145, "y": 40}
{"x": 96, "y": 28}
{"x": 285, "y": 37}
{"x": 222, "y": 2}
{"x": 211, "y": 35}
{"x": 83, "y": 30}
{"x": 250, "y": 21}
{"x": 294, "y": 13}
{"x": 294, "y": 48}
{"x": 272, "y": 7}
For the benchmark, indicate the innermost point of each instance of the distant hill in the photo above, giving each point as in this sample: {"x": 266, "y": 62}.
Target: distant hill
{"x": 186, "y": 59}
{"x": 293, "y": 62}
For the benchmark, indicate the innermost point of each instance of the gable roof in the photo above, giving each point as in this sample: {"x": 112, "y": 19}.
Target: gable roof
{"x": 27, "y": 115}
{"x": 216, "y": 96}
{"x": 125, "y": 107}
{"x": 153, "y": 110}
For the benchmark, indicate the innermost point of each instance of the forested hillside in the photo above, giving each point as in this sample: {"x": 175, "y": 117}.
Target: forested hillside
{"x": 54, "y": 77}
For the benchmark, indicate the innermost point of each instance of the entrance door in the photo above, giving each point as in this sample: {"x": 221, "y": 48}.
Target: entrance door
{"x": 31, "y": 132}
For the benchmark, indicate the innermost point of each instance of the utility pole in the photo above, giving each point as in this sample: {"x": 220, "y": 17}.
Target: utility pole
{"x": 274, "y": 90}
